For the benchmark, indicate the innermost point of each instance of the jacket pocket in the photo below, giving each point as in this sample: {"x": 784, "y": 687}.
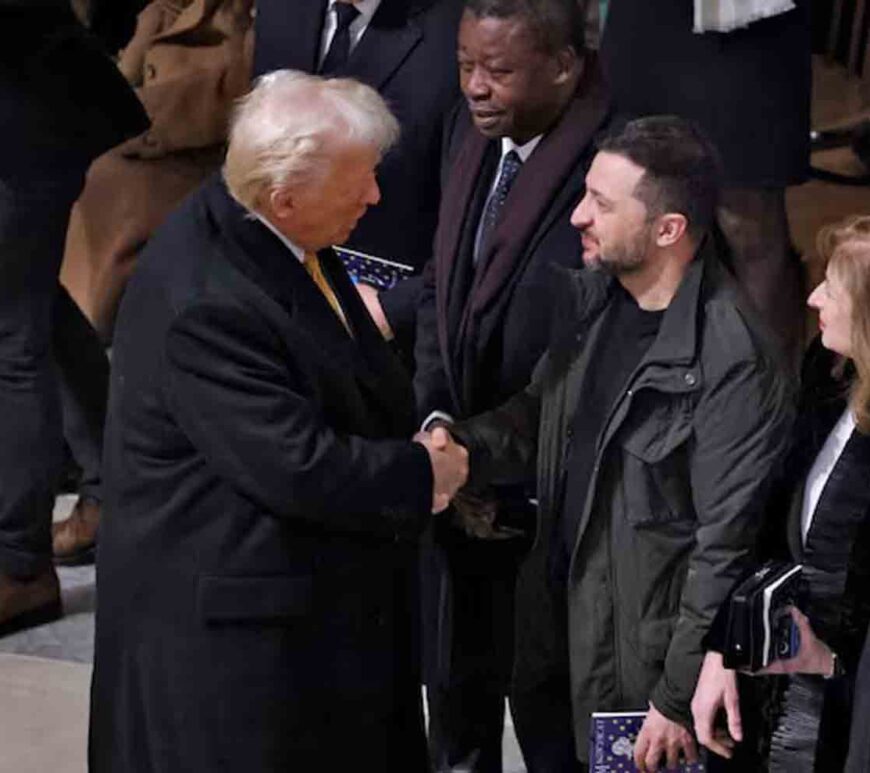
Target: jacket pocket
{"x": 655, "y": 473}
{"x": 240, "y": 598}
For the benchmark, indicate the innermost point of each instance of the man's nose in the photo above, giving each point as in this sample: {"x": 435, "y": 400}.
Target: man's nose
{"x": 476, "y": 84}
{"x": 581, "y": 216}
{"x": 373, "y": 193}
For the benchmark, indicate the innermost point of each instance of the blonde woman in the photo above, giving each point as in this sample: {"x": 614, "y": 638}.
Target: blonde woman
{"x": 825, "y": 499}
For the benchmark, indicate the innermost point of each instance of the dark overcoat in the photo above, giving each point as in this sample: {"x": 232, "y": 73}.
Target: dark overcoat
{"x": 480, "y": 333}
{"x": 256, "y": 563}
{"x": 408, "y": 54}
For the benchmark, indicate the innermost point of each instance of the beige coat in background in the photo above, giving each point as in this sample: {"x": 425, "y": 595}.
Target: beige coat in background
{"x": 188, "y": 60}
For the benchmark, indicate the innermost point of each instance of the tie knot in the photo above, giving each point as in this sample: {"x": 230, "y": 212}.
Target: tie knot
{"x": 345, "y": 13}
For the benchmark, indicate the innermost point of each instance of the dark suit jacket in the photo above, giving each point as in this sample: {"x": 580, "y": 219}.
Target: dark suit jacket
{"x": 62, "y": 100}
{"x": 407, "y": 53}
{"x": 836, "y": 557}
{"x": 254, "y": 567}
{"x": 479, "y": 334}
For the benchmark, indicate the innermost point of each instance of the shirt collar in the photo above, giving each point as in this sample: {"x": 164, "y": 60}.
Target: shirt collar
{"x": 523, "y": 151}
{"x": 366, "y": 10}
{"x": 294, "y": 248}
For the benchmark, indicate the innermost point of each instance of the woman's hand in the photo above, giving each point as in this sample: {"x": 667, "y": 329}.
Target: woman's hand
{"x": 813, "y": 657}
{"x": 716, "y": 689}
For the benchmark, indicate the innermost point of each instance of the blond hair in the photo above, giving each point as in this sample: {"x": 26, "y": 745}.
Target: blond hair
{"x": 283, "y": 130}
{"x": 845, "y": 247}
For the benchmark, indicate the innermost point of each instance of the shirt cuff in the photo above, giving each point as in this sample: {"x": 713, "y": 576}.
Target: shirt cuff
{"x": 444, "y": 418}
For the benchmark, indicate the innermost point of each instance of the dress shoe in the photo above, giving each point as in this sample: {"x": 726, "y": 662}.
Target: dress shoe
{"x": 73, "y": 540}
{"x": 25, "y": 603}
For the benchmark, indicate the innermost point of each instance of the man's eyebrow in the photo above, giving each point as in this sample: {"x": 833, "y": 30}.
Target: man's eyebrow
{"x": 598, "y": 194}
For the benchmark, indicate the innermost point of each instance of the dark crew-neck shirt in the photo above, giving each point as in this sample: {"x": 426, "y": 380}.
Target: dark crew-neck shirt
{"x": 627, "y": 335}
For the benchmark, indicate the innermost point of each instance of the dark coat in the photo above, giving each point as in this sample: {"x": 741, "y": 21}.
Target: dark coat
{"x": 62, "y": 100}
{"x": 859, "y": 744}
{"x": 748, "y": 89}
{"x": 680, "y": 473}
{"x": 407, "y": 53}
{"x": 255, "y": 563}
{"x": 479, "y": 334}
{"x": 836, "y": 557}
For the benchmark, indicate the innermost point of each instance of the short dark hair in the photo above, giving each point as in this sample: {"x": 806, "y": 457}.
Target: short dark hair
{"x": 556, "y": 24}
{"x": 681, "y": 167}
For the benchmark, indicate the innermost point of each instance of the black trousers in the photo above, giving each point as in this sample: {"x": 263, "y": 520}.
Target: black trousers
{"x": 36, "y": 318}
{"x": 468, "y": 627}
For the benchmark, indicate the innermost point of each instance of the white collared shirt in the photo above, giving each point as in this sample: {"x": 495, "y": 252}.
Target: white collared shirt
{"x": 822, "y": 468}
{"x": 358, "y": 26}
{"x": 507, "y": 145}
{"x": 294, "y": 248}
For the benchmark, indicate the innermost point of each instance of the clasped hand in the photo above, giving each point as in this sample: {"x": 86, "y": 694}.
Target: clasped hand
{"x": 449, "y": 465}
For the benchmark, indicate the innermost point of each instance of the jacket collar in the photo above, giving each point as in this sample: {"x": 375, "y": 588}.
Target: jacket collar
{"x": 677, "y": 341}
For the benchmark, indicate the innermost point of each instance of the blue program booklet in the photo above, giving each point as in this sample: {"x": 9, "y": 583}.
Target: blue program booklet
{"x": 372, "y": 270}
{"x": 611, "y": 743}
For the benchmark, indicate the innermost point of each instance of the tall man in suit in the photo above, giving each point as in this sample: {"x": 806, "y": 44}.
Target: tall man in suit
{"x": 256, "y": 562}
{"x": 405, "y": 49}
{"x": 517, "y": 153}
{"x": 62, "y": 102}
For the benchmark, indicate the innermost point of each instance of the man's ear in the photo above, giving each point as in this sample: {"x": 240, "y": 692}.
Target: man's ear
{"x": 567, "y": 64}
{"x": 282, "y": 203}
{"x": 671, "y": 227}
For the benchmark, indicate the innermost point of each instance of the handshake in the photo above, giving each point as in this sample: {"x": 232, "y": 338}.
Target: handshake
{"x": 449, "y": 465}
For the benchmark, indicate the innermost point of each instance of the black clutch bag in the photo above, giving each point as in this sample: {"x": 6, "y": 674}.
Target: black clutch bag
{"x": 759, "y": 627}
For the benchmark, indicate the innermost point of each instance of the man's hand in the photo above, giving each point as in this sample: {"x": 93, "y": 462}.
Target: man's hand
{"x": 717, "y": 688}
{"x": 813, "y": 657}
{"x": 476, "y": 515}
{"x": 449, "y": 465}
{"x": 372, "y": 303}
{"x": 660, "y": 736}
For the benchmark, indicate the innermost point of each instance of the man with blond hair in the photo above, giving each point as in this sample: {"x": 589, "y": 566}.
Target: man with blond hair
{"x": 256, "y": 560}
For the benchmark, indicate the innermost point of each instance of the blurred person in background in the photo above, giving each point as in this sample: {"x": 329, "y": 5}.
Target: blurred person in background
{"x": 62, "y": 103}
{"x": 745, "y": 79}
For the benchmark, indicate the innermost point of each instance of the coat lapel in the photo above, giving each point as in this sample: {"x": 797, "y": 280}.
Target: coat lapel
{"x": 390, "y": 37}
{"x": 379, "y": 371}
{"x": 456, "y": 200}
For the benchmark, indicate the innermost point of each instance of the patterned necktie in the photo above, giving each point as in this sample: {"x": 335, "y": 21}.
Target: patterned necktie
{"x": 510, "y": 166}
{"x": 339, "y": 48}
{"x": 312, "y": 266}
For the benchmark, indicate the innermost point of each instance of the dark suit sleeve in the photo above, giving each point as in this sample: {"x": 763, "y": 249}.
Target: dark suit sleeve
{"x": 502, "y": 444}
{"x": 430, "y": 380}
{"x": 244, "y": 403}
{"x": 400, "y": 306}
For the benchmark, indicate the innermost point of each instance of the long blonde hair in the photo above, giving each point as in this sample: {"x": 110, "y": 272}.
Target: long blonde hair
{"x": 845, "y": 247}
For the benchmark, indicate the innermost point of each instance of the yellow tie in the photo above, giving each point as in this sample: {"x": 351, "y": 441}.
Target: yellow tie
{"x": 312, "y": 266}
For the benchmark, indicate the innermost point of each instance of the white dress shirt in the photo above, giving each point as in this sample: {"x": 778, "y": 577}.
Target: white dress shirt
{"x": 822, "y": 468}
{"x": 358, "y": 26}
